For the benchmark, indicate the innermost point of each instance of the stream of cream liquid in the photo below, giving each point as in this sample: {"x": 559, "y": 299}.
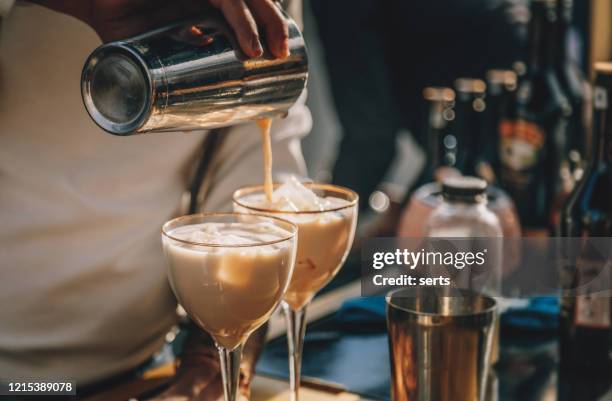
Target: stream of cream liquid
{"x": 264, "y": 126}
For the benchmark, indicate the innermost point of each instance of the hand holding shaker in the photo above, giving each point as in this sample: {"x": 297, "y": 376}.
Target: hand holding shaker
{"x": 187, "y": 76}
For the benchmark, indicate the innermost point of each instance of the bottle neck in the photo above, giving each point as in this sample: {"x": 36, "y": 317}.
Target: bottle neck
{"x": 433, "y": 145}
{"x": 565, "y": 12}
{"x": 440, "y": 113}
{"x": 565, "y": 16}
{"x": 602, "y": 126}
{"x": 468, "y": 130}
{"x": 435, "y": 125}
{"x": 542, "y": 39}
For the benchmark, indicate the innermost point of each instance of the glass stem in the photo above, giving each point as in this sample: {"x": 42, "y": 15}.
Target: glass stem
{"x": 230, "y": 370}
{"x": 296, "y": 328}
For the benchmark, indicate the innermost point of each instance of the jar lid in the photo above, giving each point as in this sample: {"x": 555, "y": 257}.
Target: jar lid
{"x": 469, "y": 189}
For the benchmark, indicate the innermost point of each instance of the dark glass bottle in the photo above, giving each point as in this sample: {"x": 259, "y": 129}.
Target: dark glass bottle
{"x": 576, "y": 385}
{"x": 441, "y": 142}
{"x": 575, "y": 87}
{"x": 577, "y": 91}
{"x": 469, "y": 109}
{"x": 586, "y": 321}
{"x": 501, "y": 88}
{"x": 532, "y": 145}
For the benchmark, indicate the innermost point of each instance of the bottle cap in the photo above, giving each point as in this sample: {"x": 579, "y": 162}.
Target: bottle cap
{"x": 603, "y": 67}
{"x": 470, "y": 85}
{"x": 505, "y": 78}
{"x": 439, "y": 94}
{"x": 466, "y": 189}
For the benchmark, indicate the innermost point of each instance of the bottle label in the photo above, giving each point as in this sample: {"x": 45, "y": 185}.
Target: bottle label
{"x": 600, "y": 98}
{"x": 520, "y": 145}
{"x": 593, "y": 309}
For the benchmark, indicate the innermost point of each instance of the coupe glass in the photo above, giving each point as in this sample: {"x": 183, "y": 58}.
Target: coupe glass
{"x": 229, "y": 272}
{"x": 325, "y": 239}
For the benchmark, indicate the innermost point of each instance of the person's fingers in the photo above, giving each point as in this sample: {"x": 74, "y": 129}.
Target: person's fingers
{"x": 242, "y": 22}
{"x": 270, "y": 18}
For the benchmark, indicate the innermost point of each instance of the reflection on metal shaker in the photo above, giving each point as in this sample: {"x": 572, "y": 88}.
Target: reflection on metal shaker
{"x": 440, "y": 347}
{"x": 186, "y": 76}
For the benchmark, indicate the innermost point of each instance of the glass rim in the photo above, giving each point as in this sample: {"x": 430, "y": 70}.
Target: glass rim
{"x": 352, "y": 195}
{"x": 165, "y": 233}
{"x": 486, "y": 310}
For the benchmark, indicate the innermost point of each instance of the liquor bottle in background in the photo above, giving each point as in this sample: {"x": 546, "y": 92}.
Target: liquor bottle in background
{"x": 469, "y": 109}
{"x": 463, "y": 213}
{"x": 501, "y": 89}
{"x": 578, "y": 93}
{"x": 441, "y": 142}
{"x": 532, "y": 145}
{"x": 575, "y": 87}
{"x": 586, "y": 321}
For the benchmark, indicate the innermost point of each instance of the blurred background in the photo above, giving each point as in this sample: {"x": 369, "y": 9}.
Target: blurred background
{"x": 404, "y": 93}
{"x": 370, "y": 66}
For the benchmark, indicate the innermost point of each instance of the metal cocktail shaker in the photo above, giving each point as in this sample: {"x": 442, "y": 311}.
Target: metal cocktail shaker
{"x": 187, "y": 76}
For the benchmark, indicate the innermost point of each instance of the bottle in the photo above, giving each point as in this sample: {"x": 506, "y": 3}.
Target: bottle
{"x": 582, "y": 386}
{"x": 441, "y": 144}
{"x": 501, "y": 88}
{"x": 532, "y": 145}
{"x": 463, "y": 213}
{"x": 469, "y": 108}
{"x": 575, "y": 87}
{"x": 586, "y": 321}
{"x": 577, "y": 90}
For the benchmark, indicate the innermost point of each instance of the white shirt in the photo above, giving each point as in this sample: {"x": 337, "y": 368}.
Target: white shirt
{"x": 5, "y": 6}
{"x": 83, "y": 288}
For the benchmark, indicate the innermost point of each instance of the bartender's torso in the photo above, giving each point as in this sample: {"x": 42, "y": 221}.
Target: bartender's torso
{"x": 83, "y": 293}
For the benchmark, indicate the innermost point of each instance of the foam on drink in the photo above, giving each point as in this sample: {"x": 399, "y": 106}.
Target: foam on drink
{"x": 229, "y": 291}
{"x": 323, "y": 238}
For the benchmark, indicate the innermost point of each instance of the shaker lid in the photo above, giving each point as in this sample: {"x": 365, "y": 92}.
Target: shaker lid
{"x": 115, "y": 90}
{"x": 464, "y": 188}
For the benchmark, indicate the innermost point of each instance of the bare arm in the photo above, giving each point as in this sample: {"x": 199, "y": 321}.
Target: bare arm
{"x": 117, "y": 19}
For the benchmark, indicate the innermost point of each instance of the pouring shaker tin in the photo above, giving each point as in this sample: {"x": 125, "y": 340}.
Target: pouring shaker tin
{"x": 187, "y": 76}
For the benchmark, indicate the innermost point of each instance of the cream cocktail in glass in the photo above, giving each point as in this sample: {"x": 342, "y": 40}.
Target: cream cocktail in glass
{"x": 229, "y": 272}
{"x": 326, "y": 217}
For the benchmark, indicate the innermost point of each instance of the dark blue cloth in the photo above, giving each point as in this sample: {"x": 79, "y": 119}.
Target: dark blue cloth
{"x": 540, "y": 315}
{"x": 351, "y": 347}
